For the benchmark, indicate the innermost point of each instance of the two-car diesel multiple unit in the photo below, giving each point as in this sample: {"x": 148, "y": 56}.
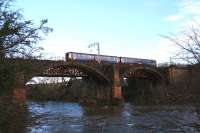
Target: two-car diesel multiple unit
{"x": 73, "y": 56}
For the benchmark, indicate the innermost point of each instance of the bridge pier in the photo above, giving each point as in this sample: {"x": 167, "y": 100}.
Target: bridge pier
{"x": 19, "y": 89}
{"x": 117, "y": 84}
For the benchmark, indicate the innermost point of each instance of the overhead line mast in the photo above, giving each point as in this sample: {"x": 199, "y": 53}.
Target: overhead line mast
{"x": 93, "y": 45}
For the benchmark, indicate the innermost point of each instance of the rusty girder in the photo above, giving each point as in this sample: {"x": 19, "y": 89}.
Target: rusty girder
{"x": 73, "y": 70}
{"x": 142, "y": 72}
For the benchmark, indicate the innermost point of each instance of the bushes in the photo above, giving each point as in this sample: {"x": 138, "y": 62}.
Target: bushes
{"x": 46, "y": 92}
{"x": 73, "y": 90}
{"x": 7, "y": 75}
{"x": 184, "y": 85}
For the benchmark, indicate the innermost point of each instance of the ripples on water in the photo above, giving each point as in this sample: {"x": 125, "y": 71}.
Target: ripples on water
{"x": 62, "y": 117}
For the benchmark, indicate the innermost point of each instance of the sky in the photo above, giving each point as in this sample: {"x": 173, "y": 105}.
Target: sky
{"x": 131, "y": 28}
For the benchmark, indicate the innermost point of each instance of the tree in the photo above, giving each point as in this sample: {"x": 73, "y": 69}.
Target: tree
{"x": 188, "y": 43}
{"x": 19, "y": 37}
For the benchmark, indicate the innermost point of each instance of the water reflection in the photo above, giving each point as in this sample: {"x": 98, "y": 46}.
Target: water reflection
{"x": 55, "y": 117}
{"x": 71, "y": 117}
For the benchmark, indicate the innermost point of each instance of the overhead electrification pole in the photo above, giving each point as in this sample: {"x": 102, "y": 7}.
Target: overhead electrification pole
{"x": 95, "y": 44}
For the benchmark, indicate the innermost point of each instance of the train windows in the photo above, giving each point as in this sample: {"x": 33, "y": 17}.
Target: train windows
{"x": 69, "y": 55}
{"x": 74, "y": 56}
{"x": 122, "y": 60}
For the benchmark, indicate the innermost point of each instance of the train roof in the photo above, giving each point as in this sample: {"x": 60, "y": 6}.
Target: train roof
{"x": 92, "y": 54}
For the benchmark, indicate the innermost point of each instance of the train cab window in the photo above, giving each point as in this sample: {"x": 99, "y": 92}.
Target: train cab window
{"x": 69, "y": 55}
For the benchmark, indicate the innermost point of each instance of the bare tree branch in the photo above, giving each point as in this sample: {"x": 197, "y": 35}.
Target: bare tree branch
{"x": 188, "y": 43}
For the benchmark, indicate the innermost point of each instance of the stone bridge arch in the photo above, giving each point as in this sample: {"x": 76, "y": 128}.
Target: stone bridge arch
{"x": 148, "y": 72}
{"x": 95, "y": 85}
{"x": 142, "y": 85}
{"x": 73, "y": 70}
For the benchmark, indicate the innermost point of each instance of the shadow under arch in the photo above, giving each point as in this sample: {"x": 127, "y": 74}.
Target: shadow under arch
{"x": 74, "y": 70}
{"x": 151, "y": 73}
{"x": 144, "y": 88}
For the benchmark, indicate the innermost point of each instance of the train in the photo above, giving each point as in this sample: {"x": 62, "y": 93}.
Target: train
{"x": 75, "y": 56}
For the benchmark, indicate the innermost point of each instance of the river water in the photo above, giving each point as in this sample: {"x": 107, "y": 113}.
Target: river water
{"x": 63, "y": 117}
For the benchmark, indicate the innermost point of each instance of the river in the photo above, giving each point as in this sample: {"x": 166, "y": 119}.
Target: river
{"x": 64, "y": 117}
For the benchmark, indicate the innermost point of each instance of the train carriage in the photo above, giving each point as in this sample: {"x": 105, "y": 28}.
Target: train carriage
{"x": 74, "y": 56}
{"x": 79, "y": 56}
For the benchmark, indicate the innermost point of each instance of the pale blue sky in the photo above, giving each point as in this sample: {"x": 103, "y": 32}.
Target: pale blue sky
{"x": 122, "y": 27}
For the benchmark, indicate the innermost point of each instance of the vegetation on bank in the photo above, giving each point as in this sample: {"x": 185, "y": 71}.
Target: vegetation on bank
{"x": 184, "y": 88}
{"x": 76, "y": 90}
{"x": 50, "y": 91}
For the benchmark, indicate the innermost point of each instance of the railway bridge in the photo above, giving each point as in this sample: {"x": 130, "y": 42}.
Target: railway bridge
{"x": 111, "y": 71}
